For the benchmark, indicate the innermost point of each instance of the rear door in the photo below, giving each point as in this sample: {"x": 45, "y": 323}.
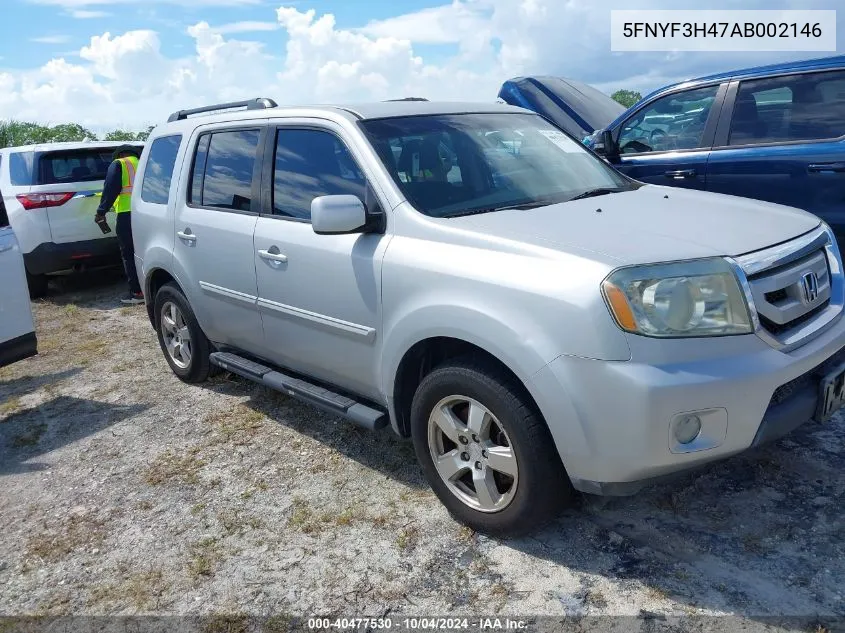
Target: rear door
{"x": 215, "y": 221}
{"x": 74, "y": 177}
{"x": 782, "y": 139}
{"x": 17, "y": 335}
{"x": 667, "y": 141}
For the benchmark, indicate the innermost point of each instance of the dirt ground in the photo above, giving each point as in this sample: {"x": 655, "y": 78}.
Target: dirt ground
{"x": 125, "y": 491}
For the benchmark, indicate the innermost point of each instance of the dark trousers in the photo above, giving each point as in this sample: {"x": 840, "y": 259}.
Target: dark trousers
{"x": 123, "y": 229}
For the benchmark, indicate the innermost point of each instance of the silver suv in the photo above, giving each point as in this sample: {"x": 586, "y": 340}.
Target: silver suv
{"x": 483, "y": 283}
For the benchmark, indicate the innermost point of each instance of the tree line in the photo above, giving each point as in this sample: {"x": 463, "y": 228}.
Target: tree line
{"x": 16, "y": 133}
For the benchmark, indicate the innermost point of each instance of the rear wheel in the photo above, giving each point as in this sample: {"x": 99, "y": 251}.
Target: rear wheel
{"x": 37, "y": 285}
{"x": 485, "y": 450}
{"x": 183, "y": 342}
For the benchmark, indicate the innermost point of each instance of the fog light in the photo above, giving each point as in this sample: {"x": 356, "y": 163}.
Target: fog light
{"x": 687, "y": 429}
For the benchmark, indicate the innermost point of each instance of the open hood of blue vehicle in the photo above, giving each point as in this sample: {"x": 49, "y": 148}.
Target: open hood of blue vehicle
{"x": 574, "y": 106}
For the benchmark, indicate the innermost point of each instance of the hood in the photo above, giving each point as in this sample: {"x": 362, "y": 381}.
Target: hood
{"x": 649, "y": 225}
{"x": 573, "y": 106}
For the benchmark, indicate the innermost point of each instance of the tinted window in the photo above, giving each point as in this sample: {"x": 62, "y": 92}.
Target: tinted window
{"x": 159, "y": 170}
{"x": 308, "y": 164}
{"x": 79, "y": 165}
{"x": 4, "y": 218}
{"x": 198, "y": 171}
{"x": 794, "y": 108}
{"x": 672, "y": 122}
{"x": 226, "y": 181}
{"x": 20, "y": 168}
{"x": 449, "y": 165}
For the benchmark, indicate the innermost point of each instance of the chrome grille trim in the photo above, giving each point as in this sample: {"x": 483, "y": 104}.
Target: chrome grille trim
{"x": 780, "y": 268}
{"x": 774, "y": 256}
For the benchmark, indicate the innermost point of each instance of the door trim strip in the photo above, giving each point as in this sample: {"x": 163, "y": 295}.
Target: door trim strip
{"x": 228, "y": 293}
{"x": 362, "y": 331}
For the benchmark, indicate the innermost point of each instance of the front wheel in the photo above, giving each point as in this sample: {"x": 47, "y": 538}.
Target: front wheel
{"x": 486, "y": 451}
{"x": 183, "y": 342}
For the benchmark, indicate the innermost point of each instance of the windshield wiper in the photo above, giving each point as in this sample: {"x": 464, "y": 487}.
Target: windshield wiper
{"x": 513, "y": 207}
{"x": 592, "y": 193}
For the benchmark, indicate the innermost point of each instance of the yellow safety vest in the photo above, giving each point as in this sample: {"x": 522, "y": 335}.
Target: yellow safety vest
{"x": 128, "y": 167}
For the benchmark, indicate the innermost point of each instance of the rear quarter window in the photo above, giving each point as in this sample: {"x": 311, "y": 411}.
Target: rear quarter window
{"x": 158, "y": 173}
{"x": 20, "y": 168}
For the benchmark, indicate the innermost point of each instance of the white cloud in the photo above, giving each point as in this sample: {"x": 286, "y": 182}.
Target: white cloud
{"x": 247, "y": 26}
{"x": 470, "y": 47}
{"x": 51, "y": 39}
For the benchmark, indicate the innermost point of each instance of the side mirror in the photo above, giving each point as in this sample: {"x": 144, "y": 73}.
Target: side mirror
{"x": 610, "y": 148}
{"x": 337, "y": 215}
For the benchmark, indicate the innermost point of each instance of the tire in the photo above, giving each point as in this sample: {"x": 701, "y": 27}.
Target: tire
{"x": 190, "y": 365}
{"x": 37, "y": 285}
{"x": 540, "y": 487}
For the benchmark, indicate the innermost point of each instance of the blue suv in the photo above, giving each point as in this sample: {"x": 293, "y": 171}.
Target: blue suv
{"x": 775, "y": 133}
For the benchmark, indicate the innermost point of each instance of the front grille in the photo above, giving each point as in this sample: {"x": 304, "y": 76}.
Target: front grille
{"x": 776, "y": 328}
{"x": 784, "y": 300}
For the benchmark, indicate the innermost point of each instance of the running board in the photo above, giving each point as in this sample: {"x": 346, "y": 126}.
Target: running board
{"x": 322, "y": 398}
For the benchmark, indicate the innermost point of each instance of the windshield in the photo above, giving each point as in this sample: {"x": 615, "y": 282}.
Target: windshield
{"x": 451, "y": 165}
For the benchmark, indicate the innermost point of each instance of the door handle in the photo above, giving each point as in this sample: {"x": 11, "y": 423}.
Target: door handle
{"x": 680, "y": 174}
{"x": 273, "y": 257}
{"x": 188, "y": 237}
{"x": 822, "y": 167}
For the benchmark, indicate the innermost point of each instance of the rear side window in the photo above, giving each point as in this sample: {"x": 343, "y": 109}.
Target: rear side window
{"x": 77, "y": 165}
{"x": 806, "y": 107}
{"x": 159, "y": 170}
{"x": 20, "y": 168}
{"x": 223, "y": 170}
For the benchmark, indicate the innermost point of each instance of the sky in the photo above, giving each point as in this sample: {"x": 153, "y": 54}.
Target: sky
{"x": 129, "y": 63}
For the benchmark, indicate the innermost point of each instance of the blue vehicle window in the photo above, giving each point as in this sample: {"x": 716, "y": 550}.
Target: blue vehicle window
{"x": 673, "y": 122}
{"x": 805, "y": 107}
{"x": 159, "y": 170}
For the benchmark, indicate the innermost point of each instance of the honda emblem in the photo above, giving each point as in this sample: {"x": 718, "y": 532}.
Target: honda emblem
{"x": 810, "y": 284}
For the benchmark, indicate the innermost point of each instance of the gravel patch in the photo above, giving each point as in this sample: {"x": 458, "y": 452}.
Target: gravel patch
{"x": 124, "y": 491}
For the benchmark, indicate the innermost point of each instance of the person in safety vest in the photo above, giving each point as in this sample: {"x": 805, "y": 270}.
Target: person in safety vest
{"x": 117, "y": 193}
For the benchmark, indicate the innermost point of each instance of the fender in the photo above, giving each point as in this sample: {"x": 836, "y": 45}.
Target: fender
{"x": 520, "y": 345}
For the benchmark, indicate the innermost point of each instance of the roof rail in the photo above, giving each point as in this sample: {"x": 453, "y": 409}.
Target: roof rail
{"x": 259, "y": 103}
{"x": 408, "y": 99}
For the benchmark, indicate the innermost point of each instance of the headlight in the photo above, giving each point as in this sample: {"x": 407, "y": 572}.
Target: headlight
{"x": 696, "y": 298}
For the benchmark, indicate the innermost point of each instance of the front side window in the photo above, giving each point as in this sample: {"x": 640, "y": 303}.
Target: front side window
{"x": 805, "y": 107}
{"x": 223, "y": 170}
{"x": 308, "y": 164}
{"x": 158, "y": 173}
{"x": 670, "y": 123}
{"x": 459, "y": 164}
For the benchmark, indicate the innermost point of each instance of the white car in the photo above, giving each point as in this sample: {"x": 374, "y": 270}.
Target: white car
{"x": 50, "y": 193}
{"x": 17, "y": 330}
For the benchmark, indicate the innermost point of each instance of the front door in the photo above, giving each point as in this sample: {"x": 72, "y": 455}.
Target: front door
{"x": 215, "y": 223}
{"x": 319, "y": 295}
{"x": 667, "y": 142}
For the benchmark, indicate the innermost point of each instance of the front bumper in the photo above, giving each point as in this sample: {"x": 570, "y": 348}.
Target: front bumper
{"x": 51, "y": 257}
{"x": 612, "y": 421}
